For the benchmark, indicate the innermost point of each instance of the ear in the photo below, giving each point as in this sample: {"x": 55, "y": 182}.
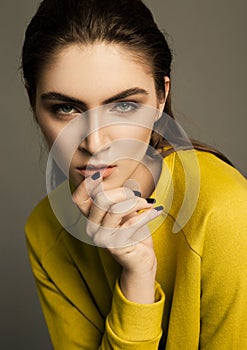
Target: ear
{"x": 161, "y": 106}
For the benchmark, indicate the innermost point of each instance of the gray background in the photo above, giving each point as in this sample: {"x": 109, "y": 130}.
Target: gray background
{"x": 209, "y": 97}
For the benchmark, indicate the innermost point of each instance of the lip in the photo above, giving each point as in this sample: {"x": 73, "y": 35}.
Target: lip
{"x": 105, "y": 170}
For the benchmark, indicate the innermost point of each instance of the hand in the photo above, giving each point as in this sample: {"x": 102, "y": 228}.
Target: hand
{"x": 115, "y": 224}
{"x": 113, "y": 218}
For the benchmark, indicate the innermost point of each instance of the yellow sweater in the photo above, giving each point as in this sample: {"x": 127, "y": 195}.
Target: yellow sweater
{"x": 201, "y": 288}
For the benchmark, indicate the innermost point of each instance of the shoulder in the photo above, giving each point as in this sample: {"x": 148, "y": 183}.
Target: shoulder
{"x": 217, "y": 174}
{"x": 42, "y": 228}
{"x": 209, "y": 200}
{"x": 215, "y": 180}
{"x": 51, "y": 222}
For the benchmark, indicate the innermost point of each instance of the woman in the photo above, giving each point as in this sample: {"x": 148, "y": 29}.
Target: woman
{"x": 137, "y": 285}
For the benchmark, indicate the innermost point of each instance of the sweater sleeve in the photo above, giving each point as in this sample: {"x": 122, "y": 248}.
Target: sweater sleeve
{"x": 133, "y": 326}
{"x": 224, "y": 278}
{"x": 128, "y": 325}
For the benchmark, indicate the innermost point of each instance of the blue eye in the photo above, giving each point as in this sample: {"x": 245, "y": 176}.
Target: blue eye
{"x": 125, "y": 107}
{"x": 65, "y": 109}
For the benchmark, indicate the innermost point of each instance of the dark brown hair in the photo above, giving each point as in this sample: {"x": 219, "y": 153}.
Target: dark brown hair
{"x": 59, "y": 23}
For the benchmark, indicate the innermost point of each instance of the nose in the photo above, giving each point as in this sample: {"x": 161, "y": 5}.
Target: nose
{"x": 96, "y": 135}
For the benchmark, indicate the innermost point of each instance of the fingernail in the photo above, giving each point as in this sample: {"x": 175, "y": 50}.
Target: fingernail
{"x": 137, "y": 193}
{"x": 96, "y": 175}
{"x": 151, "y": 200}
{"x": 160, "y": 208}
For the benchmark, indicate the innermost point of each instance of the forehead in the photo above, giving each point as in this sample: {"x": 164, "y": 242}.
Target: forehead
{"x": 94, "y": 70}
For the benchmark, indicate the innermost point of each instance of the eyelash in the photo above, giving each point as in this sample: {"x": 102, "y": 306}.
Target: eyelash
{"x": 55, "y": 109}
{"x": 134, "y": 107}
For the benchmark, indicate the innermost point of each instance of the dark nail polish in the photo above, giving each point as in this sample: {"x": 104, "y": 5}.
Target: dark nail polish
{"x": 160, "y": 208}
{"x": 96, "y": 175}
{"x": 137, "y": 193}
{"x": 151, "y": 200}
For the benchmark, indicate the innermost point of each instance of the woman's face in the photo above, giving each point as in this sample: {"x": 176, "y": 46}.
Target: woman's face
{"x": 110, "y": 84}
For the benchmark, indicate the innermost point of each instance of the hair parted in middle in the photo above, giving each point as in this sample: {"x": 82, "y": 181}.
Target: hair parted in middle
{"x": 128, "y": 23}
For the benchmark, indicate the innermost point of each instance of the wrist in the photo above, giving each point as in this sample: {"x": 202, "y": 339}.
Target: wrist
{"x": 138, "y": 287}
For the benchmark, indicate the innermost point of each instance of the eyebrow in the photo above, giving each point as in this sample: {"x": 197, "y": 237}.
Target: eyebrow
{"x": 52, "y": 96}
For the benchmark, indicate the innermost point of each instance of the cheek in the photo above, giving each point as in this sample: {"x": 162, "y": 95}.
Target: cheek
{"x": 49, "y": 134}
{"x": 131, "y": 132}
{"x": 49, "y": 130}
{"x": 132, "y": 144}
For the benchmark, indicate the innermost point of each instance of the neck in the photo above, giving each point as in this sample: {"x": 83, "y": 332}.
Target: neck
{"x": 147, "y": 175}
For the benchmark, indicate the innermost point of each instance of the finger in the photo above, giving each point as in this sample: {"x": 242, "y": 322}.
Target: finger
{"x": 118, "y": 212}
{"x": 144, "y": 218}
{"x": 82, "y": 195}
{"x": 134, "y": 231}
{"x": 109, "y": 221}
{"x": 104, "y": 200}
{"x": 119, "y": 237}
